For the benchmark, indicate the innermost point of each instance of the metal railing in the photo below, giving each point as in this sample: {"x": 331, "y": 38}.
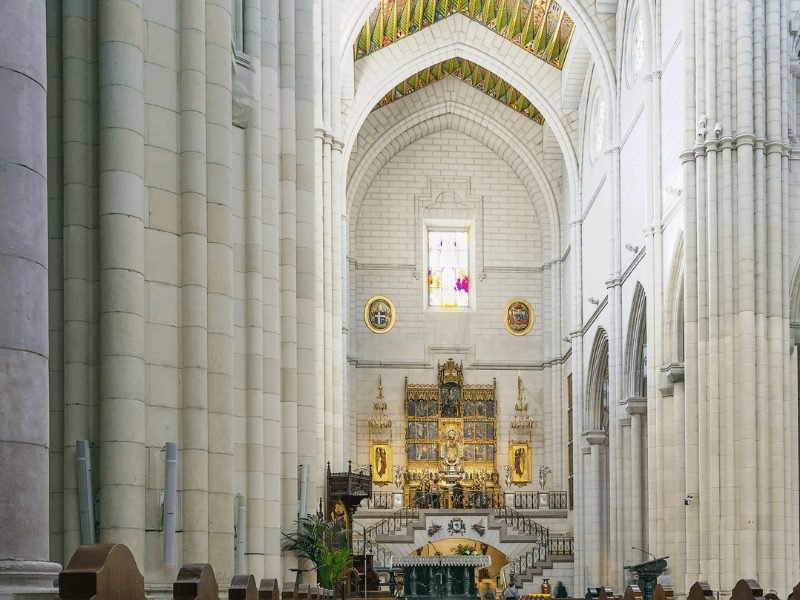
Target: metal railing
{"x": 561, "y": 544}
{"x": 556, "y": 500}
{"x": 532, "y": 500}
{"x": 523, "y": 523}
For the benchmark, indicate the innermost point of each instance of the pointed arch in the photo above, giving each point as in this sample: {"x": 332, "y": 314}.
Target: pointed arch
{"x": 636, "y": 346}
{"x": 673, "y": 317}
{"x": 595, "y": 416}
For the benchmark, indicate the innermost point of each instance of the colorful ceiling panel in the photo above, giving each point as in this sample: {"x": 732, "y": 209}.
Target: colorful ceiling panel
{"x": 475, "y": 75}
{"x": 539, "y": 26}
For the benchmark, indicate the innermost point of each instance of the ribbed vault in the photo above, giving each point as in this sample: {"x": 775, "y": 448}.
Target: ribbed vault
{"x": 451, "y": 104}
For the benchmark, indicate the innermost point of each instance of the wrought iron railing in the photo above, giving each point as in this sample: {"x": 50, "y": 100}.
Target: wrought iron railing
{"x": 523, "y": 523}
{"x": 529, "y": 559}
{"x": 556, "y": 500}
{"x": 532, "y": 500}
{"x": 561, "y": 544}
{"x": 382, "y": 500}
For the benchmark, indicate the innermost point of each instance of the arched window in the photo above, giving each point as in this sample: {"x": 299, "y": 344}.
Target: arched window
{"x": 598, "y": 127}
{"x": 596, "y": 413}
{"x": 636, "y": 346}
{"x": 635, "y": 48}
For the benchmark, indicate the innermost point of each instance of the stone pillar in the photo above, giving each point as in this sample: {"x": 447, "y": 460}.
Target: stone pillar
{"x": 120, "y": 34}
{"x": 23, "y": 294}
{"x": 306, "y": 297}
{"x": 194, "y": 274}
{"x": 219, "y": 154}
{"x": 288, "y": 273}
{"x": 79, "y": 399}
{"x": 596, "y": 507}
{"x": 637, "y": 409}
{"x": 270, "y": 157}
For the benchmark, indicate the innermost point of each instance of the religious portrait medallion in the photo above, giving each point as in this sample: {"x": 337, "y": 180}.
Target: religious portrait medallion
{"x": 379, "y": 314}
{"x": 518, "y": 316}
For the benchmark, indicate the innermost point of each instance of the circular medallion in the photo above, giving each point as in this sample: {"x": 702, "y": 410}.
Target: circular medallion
{"x": 518, "y": 316}
{"x": 379, "y": 314}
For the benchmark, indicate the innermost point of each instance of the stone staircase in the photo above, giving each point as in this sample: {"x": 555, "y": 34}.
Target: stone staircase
{"x": 530, "y": 548}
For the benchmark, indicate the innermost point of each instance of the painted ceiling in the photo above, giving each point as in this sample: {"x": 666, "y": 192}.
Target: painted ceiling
{"x": 540, "y": 27}
{"x": 475, "y": 75}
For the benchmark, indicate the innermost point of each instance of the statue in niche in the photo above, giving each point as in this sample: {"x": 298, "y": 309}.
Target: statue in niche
{"x": 451, "y": 448}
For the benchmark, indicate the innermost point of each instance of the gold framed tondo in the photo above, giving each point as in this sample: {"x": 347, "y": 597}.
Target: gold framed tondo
{"x": 380, "y": 458}
{"x": 379, "y": 314}
{"x": 519, "y": 459}
{"x": 518, "y": 316}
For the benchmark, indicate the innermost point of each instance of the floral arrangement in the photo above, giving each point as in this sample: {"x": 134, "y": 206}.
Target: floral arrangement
{"x": 464, "y": 550}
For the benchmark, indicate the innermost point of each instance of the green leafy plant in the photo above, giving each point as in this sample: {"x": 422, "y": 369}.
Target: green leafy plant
{"x": 464, "y": 550}
{"x": 322, "y": 542}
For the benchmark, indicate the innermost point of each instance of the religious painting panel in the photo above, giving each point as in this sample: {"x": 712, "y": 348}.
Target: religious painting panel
{"x": 520, "y": 458}
{"x": 381, "y": 461}
{"x": 518, "y": 316}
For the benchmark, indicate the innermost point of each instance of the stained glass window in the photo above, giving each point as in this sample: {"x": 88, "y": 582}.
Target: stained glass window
{"x": 448, "y": 268}
{"x": 599, "y": 126}
{"x": 638, "y": 47}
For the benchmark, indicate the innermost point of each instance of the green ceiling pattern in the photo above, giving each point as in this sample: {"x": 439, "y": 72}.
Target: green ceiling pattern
{"x": 539, "y": 26}
{"x": 475, "y": 75}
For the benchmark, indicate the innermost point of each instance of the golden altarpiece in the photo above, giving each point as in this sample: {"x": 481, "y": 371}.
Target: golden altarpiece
{"x": 451, "y": 442}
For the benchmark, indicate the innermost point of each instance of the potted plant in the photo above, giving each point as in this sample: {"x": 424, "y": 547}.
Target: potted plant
{"x": 322, "y": 542}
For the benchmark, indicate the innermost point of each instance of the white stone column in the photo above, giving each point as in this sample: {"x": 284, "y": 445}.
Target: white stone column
{"x": 341, "y": 442}
{"x": 270, "y": 156}
{"x": 23, "y": 294}
{"x": 194, "y": 289}
{"x": 306, "y": 250}
{"x": 123, "y": 462}
{"x": 55, "y": 273}
{"x": 596, "y": 509}
{"x": 80, "y": 264}
{"x": 219, "y": 153}
{"x": 288, "y": 274}
{"x": 637, "y": 409}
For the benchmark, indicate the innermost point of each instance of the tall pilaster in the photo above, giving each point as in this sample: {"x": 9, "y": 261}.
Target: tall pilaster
{"x": 79, "y": 399}
{"x": 194, "y": 288}
{"x": 219, "y": 152}
{"x": 288, "y": 272}
{"x": 306, "y": 225}
{"x": 122, "y": 325}
{"x": 271, "y": 238}
{"x": 23, "y": 322}
{"x": 254, "y": 283}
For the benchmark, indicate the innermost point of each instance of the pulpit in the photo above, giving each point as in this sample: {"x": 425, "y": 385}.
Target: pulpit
{"x": 440, "y": 576}
{"x": 648, "y": 573}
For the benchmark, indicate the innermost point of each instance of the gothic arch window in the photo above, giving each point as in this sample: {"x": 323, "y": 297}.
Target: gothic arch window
{"x": 597, "y": 126}
{"x": 636, "y": 346}
{"x": 597, "y": 395}
{"x": 635, "y": 47}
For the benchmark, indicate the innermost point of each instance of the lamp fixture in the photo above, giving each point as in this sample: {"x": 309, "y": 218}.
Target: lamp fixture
{"x": 380, "y": 425}
{"x": 593, "y": 300}
{"x": 632, "y": 248}
{"x": 521, "y": 424}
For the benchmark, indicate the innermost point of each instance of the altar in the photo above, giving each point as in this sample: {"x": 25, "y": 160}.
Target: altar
{"x": 440, "y": 576}
{"x": 451, "y": 442}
